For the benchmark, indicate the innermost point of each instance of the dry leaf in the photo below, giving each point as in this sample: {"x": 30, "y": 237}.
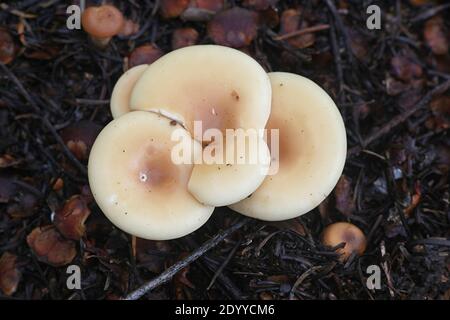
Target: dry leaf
{"x": 435, "y": 35}
{"x": 80, "y": 137}
{"x": 50, "y": 247}
{"x": 291, "y": 20}
{"x": 184, "y": 37}
{"x": 145, "y": 54}
{"x": 7, "y": 47}
{"x": 259, "y": 5}
{"x": 234, "y": 27}
{"x": 9, "y": 274}
{"x": 71, "y": 217}
{"x": 405, "y": 69}
{"x": 344, "y": 196}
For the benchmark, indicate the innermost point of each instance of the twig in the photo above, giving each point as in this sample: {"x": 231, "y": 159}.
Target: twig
{"x": 301, "y": 279}
{"x": 319, "y": 27}
{"x": 170, "y": 272}
{"x": 430, "y": 13}
{"x": 337, "y": 59}
{"x": 340, "y": 25}
{"x": 92, "y": 101}
{"x": 397, "y": 120}
{"x": 224, "y": 264}
{"x": 386, "y": 270}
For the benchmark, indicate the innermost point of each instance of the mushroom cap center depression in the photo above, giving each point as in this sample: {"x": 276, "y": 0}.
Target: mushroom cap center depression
{"x": 154, "y": 170}
{"x": 149, "y": 171}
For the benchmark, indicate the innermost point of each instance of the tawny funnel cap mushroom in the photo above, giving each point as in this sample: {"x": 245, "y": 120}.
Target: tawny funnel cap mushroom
{"x": 343, "y": 232}
{"x": 222, "y": 87}
{"x": 102, "y": 23}
{"x": 120, "y": 98}
{"x": 231, "y": 181}
{"x": 312, "y": 151}
{"x": 135, "y": 182}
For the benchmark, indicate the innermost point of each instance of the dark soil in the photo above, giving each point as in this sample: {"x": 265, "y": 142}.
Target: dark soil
{"x": 391, "y": 86}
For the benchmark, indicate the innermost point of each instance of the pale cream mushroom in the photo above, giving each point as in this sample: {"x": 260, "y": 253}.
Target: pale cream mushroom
{"x": 222, "y": 88}
{"x": 135, "y": 182}
{"x": 120, "y": 97}
{"x": 312, "y": 151}
{"x": 232, "y": 179}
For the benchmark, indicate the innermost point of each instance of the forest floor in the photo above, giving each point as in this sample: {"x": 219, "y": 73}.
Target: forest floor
{"x": 390, "y": 84}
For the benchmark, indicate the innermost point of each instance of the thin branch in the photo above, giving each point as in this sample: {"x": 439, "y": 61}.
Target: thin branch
{"x": 224, "y": 264}
{"x": 300, "y": 32}
{"x": 174, "y": 269}
{"x": 430, "y": 13}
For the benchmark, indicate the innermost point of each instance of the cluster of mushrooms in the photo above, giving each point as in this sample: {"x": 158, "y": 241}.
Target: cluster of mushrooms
{"x": 143, "y": 192}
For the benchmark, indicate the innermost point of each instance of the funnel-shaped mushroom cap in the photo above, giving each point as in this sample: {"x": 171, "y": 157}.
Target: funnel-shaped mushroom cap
{"x": 312, "y": 150}
{"x": 135, "y": 182}
{"x": 222, "y": 87}
{"x": 120, "y": 98}
{"x": 240, "y": 171}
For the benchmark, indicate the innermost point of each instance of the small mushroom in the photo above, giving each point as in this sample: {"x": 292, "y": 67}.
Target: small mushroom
{"x": 312, "y": 151}
{"x": 135, "y": 182}
{"x": 120, "y": 97}
{"x": 343, "y": 232}
{"x": 102, "y": 23}
{"x": 232, "y": 93}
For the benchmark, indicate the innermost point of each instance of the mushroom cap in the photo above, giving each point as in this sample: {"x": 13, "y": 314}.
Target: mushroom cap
{"x": 312, "y": 151}
{"x": 136, "y": 183}
{"x": 229, "y": 182}
{"x": 120, "y": 97}
{"x": 103, "y": 21}
{"x": 354, "y": 238}
{"x": 222, "y": 87}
